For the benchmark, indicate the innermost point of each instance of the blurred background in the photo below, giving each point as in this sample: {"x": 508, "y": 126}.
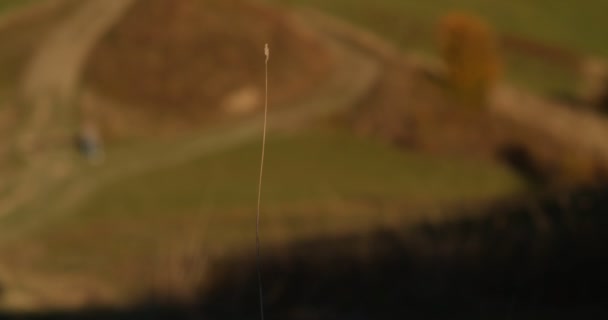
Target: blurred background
{"x": 426, "y": 159}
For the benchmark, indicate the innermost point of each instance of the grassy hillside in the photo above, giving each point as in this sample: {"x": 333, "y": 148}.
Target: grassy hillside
{"x": 313, "y": 167}
{"x": 5, "y": 5}
{"x": 316, "y": 183}
{"x": 581, "y": 27}
{"x": 410, "y": 24}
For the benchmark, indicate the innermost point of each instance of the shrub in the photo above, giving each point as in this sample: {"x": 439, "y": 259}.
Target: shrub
{"x": 470, "y": 51}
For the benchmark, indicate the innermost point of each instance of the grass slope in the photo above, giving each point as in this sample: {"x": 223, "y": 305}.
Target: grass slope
{"x": 310, "y": 167}
{"x": 315, "y": 183}
{"x": 580, "y": 27}
{"x": 6, "y": 5}
{"x": 410, "y": 25}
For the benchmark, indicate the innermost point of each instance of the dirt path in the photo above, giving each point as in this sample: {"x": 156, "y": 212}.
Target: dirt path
{"x": 56, "y": 68}
{"x": 51, "y": 78}
{"x": 49, "y": 84}
{"x": 32, "y": 11}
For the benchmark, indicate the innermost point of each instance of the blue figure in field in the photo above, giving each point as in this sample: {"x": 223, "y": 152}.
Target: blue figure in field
{"x": 89, "y": 144}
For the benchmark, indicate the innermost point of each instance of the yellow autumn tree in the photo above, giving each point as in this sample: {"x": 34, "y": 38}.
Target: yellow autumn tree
{"x": 470, "y": 50}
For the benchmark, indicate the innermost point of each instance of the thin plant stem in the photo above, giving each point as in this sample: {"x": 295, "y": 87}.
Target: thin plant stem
{"x": 257, "y": 225}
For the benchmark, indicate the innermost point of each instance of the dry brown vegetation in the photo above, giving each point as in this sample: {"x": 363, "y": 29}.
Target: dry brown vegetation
{"x": 189, "y": 59}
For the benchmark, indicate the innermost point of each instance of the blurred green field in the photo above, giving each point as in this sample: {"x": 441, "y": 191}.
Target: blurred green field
{"x": 315, "y": 183}
{"x": 5, "y": 5}
{"x": 308, "y": 167}
{"x": 579, "y": 26}
{"x": 410, "y": 25}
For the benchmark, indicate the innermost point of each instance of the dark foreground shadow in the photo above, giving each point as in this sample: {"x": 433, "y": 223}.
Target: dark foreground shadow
{"x": 535, "y": 258}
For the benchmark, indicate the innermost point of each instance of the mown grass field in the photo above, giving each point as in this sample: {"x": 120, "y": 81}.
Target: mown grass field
{"x": 410, "y": 25}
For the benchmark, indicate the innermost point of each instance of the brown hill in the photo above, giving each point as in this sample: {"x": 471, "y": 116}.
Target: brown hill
{"x": 189, "y": 59}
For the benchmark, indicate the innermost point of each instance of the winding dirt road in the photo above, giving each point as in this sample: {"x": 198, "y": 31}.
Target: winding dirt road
{"x": 48, "y": 87}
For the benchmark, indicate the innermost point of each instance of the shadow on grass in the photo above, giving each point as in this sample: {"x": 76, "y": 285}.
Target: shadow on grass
{"x": 532, "y": 258}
